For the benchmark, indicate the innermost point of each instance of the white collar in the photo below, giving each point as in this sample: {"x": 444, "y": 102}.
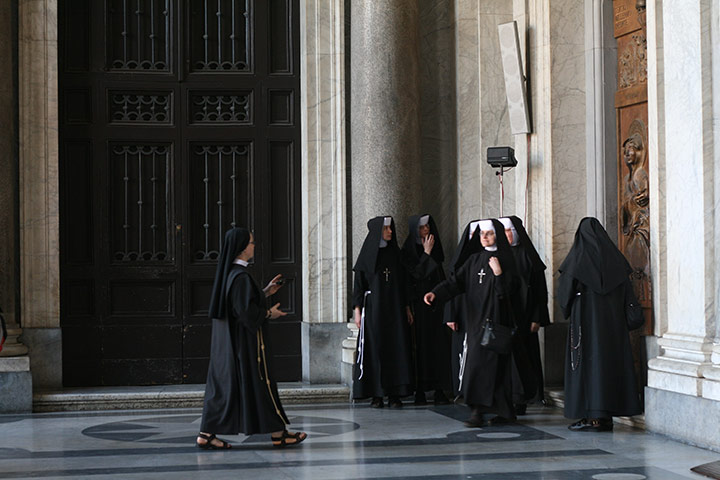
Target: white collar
{"x": 237, "y": 261}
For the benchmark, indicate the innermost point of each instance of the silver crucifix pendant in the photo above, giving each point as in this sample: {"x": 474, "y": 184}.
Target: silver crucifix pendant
{"x": 387, "y": 274}
{"x": 481, "y": 274}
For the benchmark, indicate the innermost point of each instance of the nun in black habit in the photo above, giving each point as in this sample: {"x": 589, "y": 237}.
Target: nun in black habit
{"x": 531, "y": 313}
{"x": 422, "y": 255}
{"x": 487, "y": 278}
{"x": 382, "y": 313}
{"x": 596, "y": 295}
{"x": 455, "y": 311}
{"x": 240, "y": 395}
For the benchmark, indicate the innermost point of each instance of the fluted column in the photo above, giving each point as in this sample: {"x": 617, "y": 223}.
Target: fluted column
{"x": 384, "y": 118}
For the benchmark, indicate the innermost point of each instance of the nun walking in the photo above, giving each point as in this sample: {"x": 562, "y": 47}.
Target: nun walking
{"x": 596, "y": 296}
{"x": 240, "y": 394}
{"x": 382, "y": 312}
{"x": 488, "y": 281}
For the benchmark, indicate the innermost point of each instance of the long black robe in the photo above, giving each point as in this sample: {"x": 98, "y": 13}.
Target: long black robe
{"x": 455, "y": 310}
{"x": 240, "y": 395}
{"x": 487, "y": 376}
{"x": 530, "y": 307}
{"x": 386, "y": 353}
{"x": 432, "y": 337}
{"x": 486, "y": 380}
{"x": 594, "y": 293}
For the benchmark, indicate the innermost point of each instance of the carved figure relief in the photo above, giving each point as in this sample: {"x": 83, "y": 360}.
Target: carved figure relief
{"x": 633, "y": 62}
{"x": 635, "y": 217}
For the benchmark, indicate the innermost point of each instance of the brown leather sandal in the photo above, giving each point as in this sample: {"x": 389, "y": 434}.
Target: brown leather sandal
{"x": 282, "y": 440}
{"x": 208, "y": 445}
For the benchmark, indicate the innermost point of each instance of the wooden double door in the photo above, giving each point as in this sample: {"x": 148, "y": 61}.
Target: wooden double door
{"x": 178, "y": 120}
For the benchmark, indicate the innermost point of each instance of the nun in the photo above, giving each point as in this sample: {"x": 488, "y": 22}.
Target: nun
{"x": 422, "y": 255}
{"x": 488, "y": 281}
{"x": 381, "y": 307}
{"x": 240, "y": 394}
{"x": 596, "y": 296}
{"x": 531, "y": 313}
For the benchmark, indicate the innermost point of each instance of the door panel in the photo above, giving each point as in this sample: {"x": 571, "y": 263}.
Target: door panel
{"x": 169, "y": 136}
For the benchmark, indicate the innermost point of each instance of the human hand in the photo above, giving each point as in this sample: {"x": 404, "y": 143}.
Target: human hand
{"x": 275, "y": 284}
{"x": 275, "y": 311}
{"x": 495, "y": 265}
{"x": 452, "y": 326}
{"x": 534, "y": 327}
{"x": 357, "y": 317}
{"x": 429, "y": 298}
{"x": 410, "y": 317}
{"x": 428, "y": 243}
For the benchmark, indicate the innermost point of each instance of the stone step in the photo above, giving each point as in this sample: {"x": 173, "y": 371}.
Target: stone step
{"x": 556, "y": 398}
{"x": 169, "y": 396}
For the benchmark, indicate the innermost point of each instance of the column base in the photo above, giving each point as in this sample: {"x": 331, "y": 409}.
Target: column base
{"x": 321, "y": 352}
{"x": 15, "y": 385}
{"x": 13, "y": 347}
{"x": 686, "y": 418}
{"x": 45, "y": 346}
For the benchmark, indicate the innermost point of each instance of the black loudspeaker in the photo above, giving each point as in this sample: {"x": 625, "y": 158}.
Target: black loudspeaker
{"x": 499, "y": 157}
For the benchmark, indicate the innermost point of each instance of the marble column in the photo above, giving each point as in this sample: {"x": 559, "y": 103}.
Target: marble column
{"x": 15, "y": 377}
{"x": 38, "y": 172}
{"x": 324, "y": 225}
{"x": 683, "y": 394}
{"x": 385, "y": 114}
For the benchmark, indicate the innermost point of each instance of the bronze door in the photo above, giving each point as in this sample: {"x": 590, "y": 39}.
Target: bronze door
{"x": 178, "y": 120}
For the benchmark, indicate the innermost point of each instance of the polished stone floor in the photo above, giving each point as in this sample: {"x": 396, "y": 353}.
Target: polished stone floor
{"x": 345, "y": 442}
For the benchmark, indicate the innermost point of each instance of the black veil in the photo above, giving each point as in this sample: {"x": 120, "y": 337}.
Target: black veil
{"x": 236, "y": 239}
{"x": 369, "y": 251}
{"x": 409, "y": 247}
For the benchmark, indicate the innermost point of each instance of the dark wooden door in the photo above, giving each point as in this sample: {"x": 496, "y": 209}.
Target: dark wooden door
{"x": 178, "y": 120}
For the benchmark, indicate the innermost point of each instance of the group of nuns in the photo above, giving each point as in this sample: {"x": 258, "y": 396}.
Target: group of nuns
{"x": 496, "y": 277}
{"x": 421, "y": 330}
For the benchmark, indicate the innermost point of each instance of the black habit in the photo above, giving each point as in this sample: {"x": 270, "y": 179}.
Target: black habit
{"x": 384, "y": 356}
{"x": 240, "y": 396}
{"x": 530, "y": 306}
{"x": 487, "y": 376}
{"x": 594, "y": 293}
{"x": 455, "y": 310}
{"x": 432, "y": 337}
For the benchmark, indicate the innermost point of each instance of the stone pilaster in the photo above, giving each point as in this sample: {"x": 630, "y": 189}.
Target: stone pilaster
{"x": 385, "y": 113}
{"x": 38, "y": 178}
{"x": 684, "y": 380}
{"x": 322, "y": 52}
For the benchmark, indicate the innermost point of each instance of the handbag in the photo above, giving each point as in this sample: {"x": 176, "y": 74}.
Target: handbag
{"x": 497, "y": 338}
{"x": 634, "y": 315}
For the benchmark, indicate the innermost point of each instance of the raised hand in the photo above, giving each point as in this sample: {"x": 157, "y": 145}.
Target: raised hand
{"x": 274, "y": 285}
{"x": 495, "y": 265}
{"x": 429, "y": 298}
{"x": 428, "y": 243}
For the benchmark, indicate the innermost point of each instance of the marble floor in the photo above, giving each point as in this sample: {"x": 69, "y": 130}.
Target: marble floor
{"x": 345, "y": 442}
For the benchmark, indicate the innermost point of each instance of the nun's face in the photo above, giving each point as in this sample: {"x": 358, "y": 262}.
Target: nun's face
{"x": 509, "y": 235}
{"x": 423, "y": 230}
{"x": 487, "y": 238}
{"x": 387, "y": 233}
{"x": 249, "y": 252}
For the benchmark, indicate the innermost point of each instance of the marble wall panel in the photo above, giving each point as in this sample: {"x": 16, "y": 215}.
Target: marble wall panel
{"x": 482, "y": 118}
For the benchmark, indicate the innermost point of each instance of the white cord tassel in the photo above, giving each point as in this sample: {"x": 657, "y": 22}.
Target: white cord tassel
{"x": 463, "y": 359}
{"x": 361, "y": 337}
